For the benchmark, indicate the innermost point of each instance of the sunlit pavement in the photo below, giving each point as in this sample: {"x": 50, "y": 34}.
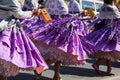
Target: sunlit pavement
{"x": 85, "y": 72}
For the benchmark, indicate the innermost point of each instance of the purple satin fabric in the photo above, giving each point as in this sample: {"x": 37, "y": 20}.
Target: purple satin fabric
{"x": 65, "y": 33}
{"x": 16, "y": 48}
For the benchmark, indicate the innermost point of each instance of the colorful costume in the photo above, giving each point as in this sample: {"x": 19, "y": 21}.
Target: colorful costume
{"x": 60, "y": 39}
{"x": 105, "y": 42}
{"x": 17, "y": 51}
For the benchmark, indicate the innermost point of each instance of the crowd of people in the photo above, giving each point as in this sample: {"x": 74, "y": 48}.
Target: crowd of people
{"x": 30, "y": 43}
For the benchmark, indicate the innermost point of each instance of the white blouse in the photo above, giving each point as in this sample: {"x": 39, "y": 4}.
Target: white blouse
{"x": 74, "y": 6}
{"x": 57, "y": 7}
{"x": 12, "y": 7}
{"x": 109, "y": 12}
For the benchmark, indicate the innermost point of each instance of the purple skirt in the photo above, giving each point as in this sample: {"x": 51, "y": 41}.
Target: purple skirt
{"x": 104, "y": 43}
{"x": 60, "y": 40}
{"x": 17, "y": 52}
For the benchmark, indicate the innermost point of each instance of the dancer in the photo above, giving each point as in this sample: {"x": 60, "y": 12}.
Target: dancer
{"x": 103, "y": 43}
{"x": 17, "y": 50}
{"x": 59, "y": 40}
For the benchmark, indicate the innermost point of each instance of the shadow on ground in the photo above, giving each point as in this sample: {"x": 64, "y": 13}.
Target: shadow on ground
{"x": 80, "y": 71}
{"x": 68, "y": 70}
{"x": 25, "y": 76}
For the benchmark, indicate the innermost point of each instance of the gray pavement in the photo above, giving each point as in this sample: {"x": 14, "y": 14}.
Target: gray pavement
{"x": 85, "y": 72}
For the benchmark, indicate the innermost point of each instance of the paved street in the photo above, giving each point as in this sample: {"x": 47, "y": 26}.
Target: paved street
{"x": 74, "y": 73}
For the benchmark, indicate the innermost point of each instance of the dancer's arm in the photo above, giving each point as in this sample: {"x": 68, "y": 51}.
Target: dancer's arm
{"x": 15, "y": 8}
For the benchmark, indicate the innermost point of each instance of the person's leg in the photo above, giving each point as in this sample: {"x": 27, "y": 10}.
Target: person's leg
{"x": 4, "y": 78}
{"x": 108, "y": 66}
{"x": 57, "y": 71}
{"x": 38, "y": 76}
{"x": 97, "y": 64}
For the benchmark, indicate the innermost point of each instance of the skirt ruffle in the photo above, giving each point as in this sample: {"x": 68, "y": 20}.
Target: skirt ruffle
{"x": 53, "y": 53}
{"x": 112, "y": 55}
{"x": 17, "y": 52}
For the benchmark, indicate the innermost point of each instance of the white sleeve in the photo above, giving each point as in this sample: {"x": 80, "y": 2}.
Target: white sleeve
{"x": 15, "y": 9}
{"x": 116, "y": 12}
{"x": 22, "y": 14}
{"x": 18, "y": 13}
{"x": 109, "y": 12}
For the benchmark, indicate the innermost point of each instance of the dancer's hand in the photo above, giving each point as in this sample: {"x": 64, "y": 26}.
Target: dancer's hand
{"x": 84, "y": 13}
{"x": 36, "y": 12}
